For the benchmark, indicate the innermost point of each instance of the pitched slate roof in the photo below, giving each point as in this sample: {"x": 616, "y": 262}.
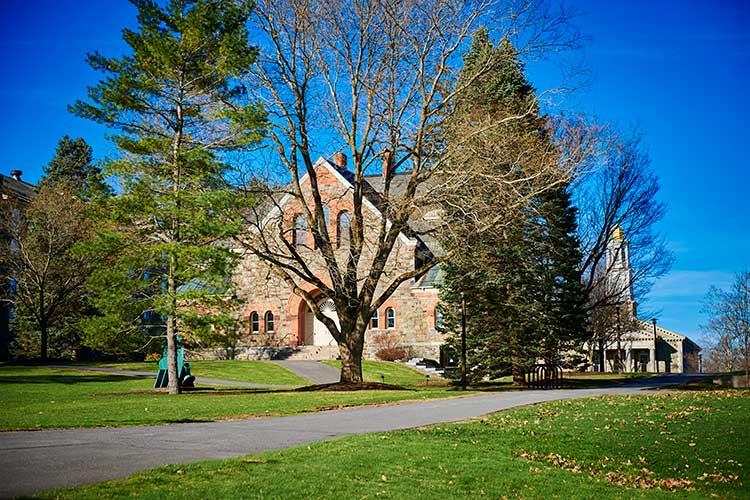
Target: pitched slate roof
{"x": 18, "y": 189}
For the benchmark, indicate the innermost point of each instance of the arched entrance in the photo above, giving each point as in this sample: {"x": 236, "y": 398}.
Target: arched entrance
{"x": 314, "y": 332}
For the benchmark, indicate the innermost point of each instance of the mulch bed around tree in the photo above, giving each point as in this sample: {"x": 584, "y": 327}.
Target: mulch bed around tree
{"x": 362, "y": 386}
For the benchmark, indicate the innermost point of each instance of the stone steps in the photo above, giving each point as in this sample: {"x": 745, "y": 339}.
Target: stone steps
{"x": 426, "y": 366}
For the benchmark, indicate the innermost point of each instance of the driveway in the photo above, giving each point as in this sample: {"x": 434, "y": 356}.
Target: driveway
{"x": 34, "y": 461}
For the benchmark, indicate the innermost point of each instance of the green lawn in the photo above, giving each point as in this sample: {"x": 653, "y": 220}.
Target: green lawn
{"x": 390, "y": 373}
{"x": 34, "y": 398}
{"x": 257, "y": 372}
{"x": 678, "y": 445}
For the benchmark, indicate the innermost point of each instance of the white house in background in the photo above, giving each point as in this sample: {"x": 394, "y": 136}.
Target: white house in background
{"x": 651, "y": 348}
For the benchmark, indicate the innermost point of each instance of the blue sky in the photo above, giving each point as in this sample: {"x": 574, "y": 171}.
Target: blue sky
{"x": 678, "y": 70}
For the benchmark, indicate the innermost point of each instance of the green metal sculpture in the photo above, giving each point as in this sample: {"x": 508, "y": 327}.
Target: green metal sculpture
{"x": 183, "y": 369}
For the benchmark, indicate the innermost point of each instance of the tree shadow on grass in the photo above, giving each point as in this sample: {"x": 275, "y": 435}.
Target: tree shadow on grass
{"x": 54, "y": 378}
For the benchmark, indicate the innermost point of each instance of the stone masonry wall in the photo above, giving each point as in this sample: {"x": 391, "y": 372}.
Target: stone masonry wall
{"x": 263, "y": 291}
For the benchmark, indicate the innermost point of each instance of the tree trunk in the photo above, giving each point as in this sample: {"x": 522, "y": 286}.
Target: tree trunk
{"x": 351, "y": 360}
{"x": 601, "y": 356}
{"x": 173, "y": 384}
{"x": 517, "y": 371}
{"x": 44, "y": 339}
{"x": 41, "y": 311}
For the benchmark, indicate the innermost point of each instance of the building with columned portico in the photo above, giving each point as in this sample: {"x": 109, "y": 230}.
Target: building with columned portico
{"x": 648, "y": 347}
{"x": 277, "y": 318}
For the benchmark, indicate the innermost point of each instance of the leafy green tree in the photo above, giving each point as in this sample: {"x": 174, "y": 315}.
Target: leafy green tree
{"x": 178, "y": 106}
{"x": 520, "y": 280}
{"x": 40, "y": 255}
{"x": 73, "y": 163}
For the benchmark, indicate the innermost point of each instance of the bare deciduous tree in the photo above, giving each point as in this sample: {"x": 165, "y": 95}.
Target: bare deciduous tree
{"x": 729, "y": 318}
{"x": 378, "y": 78}
{"x": 617, "y": 197}
{"x": 620, "y": 193}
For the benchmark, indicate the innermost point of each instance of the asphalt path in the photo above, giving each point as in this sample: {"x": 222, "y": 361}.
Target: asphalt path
{"x": 314, "y": 371}
{"x": 35, "y": 461}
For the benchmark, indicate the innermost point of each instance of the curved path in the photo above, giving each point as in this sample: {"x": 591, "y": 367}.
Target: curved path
{"x": 34, "y": 461}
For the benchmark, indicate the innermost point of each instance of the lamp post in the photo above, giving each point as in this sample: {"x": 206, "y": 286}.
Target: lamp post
{"x": 463, "y": 340}
{"x": 656, "y": 362}
{"x": 619, "y": 342}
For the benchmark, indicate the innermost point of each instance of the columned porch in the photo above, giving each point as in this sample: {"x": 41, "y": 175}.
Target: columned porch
{"x": 627, "y": 360}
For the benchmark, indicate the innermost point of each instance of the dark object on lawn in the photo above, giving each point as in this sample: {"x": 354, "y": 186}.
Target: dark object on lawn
{"x": 543, "y": 376}
{"x": 185, "y": 378}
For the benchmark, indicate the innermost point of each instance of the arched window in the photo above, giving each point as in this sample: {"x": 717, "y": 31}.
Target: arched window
{"x": 327, "y": 216}
{"x": 268, "y": 319}
{"x": 254, "y": 322}
{"x": 344, "y": 229}
{"x": 390, "y": 318}
{"x": 374, "y": 320}
{"x": 300, "y": 231}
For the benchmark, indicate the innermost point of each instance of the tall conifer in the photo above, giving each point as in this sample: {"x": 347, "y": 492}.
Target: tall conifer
{"x": 73, "y": 164}
{"x": 177, "y": 105}
{"x": 521, "y": 282}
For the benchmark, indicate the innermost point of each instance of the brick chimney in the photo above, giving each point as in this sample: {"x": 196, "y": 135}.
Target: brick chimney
{"x": 16, "y": 174}
{"x": 388, "y": 163}
{"x": 339, "y": 160}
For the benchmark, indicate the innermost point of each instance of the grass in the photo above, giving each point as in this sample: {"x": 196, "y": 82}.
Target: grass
{"x": 680, "y": 444}
{"x": 390, "y": 373}
{"x": 257, "y": 372}
{"x": 37, "y": 398}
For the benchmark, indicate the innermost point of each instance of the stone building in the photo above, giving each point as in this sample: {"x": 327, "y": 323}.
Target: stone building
{"x": 18, "y": 193}
{"x": 647, "y": 347}
{"x": 277, "y": 318}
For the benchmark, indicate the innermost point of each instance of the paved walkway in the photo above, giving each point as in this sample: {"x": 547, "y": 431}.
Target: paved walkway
{"x": 144, "y": 374}
{"x": 314, "y": 371}
{"x": 34, "y": 461}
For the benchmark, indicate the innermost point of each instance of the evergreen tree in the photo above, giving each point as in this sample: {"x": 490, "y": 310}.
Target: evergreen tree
{"x": 178, "y": 105}
{"x": 521, "y": 281}
{"x": 559, "y": 269}
{"x": 73, "y": 164}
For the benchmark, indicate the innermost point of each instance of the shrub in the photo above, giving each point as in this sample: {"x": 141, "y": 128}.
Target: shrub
{"x": 391, "y": 354}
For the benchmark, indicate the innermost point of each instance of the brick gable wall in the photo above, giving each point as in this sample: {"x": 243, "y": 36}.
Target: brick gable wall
{"x": 262, "y": 291}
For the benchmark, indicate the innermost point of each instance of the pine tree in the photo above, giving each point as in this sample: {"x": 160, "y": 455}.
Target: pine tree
{"x": 521, "y": 282}
{"x": 178, "y": 105}
{"x": 73, "y": 164}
